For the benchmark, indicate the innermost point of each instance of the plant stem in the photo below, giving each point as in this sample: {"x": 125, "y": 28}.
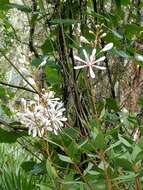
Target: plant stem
{"x": 107, "y": 177}
{"x": 18, "y": 87}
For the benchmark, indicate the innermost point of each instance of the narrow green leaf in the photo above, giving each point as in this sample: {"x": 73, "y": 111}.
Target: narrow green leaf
{"x": 63, "y": 21}
{"x": 120, "y": 53}
{"x": 124, "y": 141}
{"x": 131, "y": 176}
{"x": 65, "y": 158}
{"x": 116, "y": 34}
{"x": 50, "y": 169}
{"x": 7, "y": 6}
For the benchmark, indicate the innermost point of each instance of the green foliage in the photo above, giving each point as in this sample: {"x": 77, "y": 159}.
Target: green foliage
{"x": 9, "y": 136}
{"x": 97, "y": 148}
{"x": 12, "y": 176}
{"x": 5, "y": 6}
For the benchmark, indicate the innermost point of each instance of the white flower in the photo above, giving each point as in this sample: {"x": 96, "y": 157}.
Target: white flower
{"x": 103, "y": 35}
{"x": 107, "y": 47}
{"x": 56, "y": 116}
{"x": 84, "y": 40}
{"x": 90, "y": 62}
{"x": 44, "y": 113}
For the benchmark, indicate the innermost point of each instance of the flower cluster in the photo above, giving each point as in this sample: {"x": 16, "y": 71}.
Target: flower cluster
{"x": 44, "y": 113}
{"x": 91, "y": 62}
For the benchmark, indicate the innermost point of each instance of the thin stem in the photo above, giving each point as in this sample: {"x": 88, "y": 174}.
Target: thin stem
{"x": 77, "y": 167}
{"x": 17, "y": 87}
{"x": 107, "y": 177}
{"x": 10, "y": 62}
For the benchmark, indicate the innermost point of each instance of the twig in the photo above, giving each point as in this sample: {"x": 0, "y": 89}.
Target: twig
{"x": 10, "y": 62}
{"x": 18, "y": 87}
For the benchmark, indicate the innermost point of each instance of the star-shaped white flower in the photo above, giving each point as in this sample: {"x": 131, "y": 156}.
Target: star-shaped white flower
{"x": 91, "y": 62}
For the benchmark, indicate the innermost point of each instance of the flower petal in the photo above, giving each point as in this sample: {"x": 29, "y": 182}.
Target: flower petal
{"x": 79, "y": 59}
{"x": 91, "y": 72}
{"x": 86, "y": 55}
{"x": 100, "y": 59}
{"x": 99, "y": 67}
{"x": 80, "y": 67}
{"x": 92, "y": 57}
{"x": 84, "y": 40}
{"x": 107, "y": 47}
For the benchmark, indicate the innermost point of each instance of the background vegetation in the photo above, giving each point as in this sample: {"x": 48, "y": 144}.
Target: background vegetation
{"x": 100, "y": 146}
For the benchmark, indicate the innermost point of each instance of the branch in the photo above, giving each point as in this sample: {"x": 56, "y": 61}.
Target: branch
{"x": 110, "y": 79}
{"x": 18, "y": 87}
{"x": 32, "y": 28}
{"x": 109, "y": 75}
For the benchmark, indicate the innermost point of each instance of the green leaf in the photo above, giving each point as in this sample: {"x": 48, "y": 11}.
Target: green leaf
{"x": 133, "y": 28}
{"x": 116, "y": 34}
{"x": 118, "y": 143}
{"x": 53, "y": 76}
{"x": 100, "y": 141}
{"x": 6, "y": 110}
{"x": 93, "y": 172}
{"x": 125, "y": 2}
{"x": 50, "y": 169}
{"x": 48, "y": 46}
{"x": 39, "y": 168}
{"x": 111, "y": 104}
{"x": 120, "y": 53}
{"x": 36, "y": 62}
{"x": 28, "y": 165}
{"x": 140, "y": 144}
{"x": 4, "y": 2}
{"x": 124, "y": 163}
{"x": 124, "y": 141}
{"x": 136, "y": 151}
{"x": 9, "y": 136}
{"x": 124, "y": 178}
{"x": 7, "y": 6}
{"x": 65, "y": 158}
{"x": 118, "y": 4}
{"x": 41, "y": 5}
{"x": 2, "y": 92}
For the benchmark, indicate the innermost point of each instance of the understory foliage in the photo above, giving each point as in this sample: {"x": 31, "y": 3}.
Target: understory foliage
{"x": 71, "y": 103}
